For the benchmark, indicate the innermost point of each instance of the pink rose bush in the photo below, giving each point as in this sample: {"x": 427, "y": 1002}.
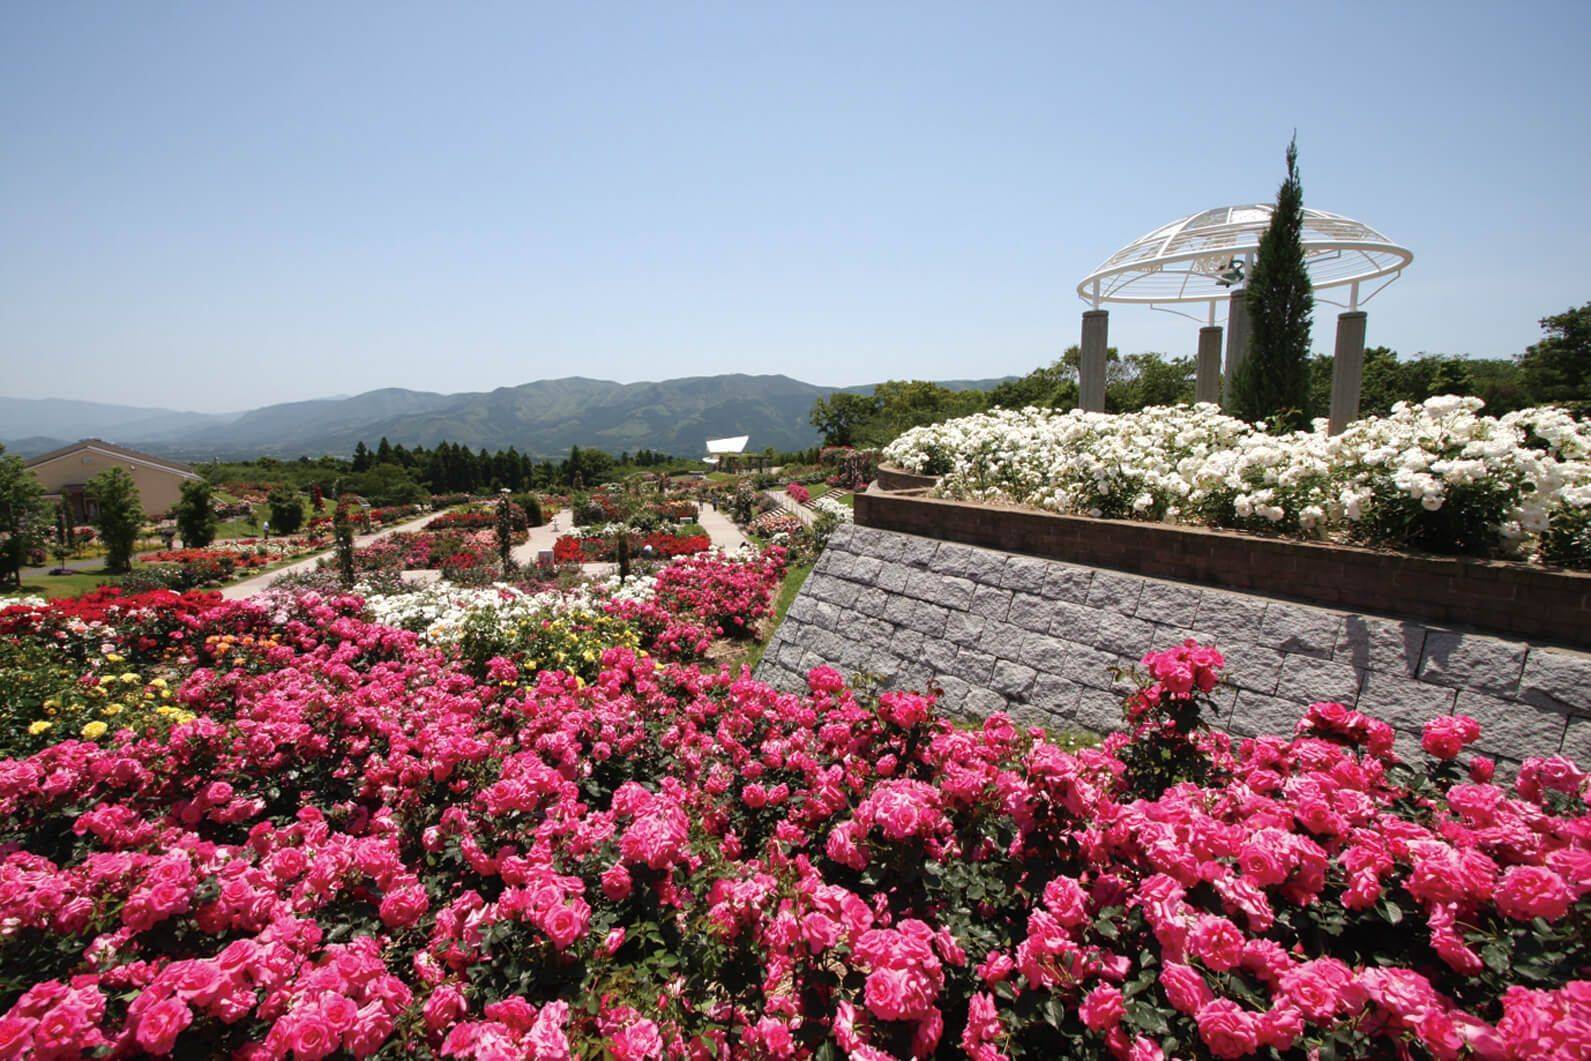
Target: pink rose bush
{"x": 360, "y": 844}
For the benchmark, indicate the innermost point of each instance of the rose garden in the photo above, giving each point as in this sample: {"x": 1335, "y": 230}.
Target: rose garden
{"x": 549, "y": 812}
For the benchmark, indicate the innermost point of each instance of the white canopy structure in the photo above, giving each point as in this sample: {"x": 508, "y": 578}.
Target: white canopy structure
{"x": 721, "y": 446}
{"x": 1205, "y": 258}
{"x": 1200, "y": 257}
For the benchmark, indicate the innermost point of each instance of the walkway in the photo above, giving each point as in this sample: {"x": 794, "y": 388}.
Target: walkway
{"x": 249, "y": 587}
{"x": 721, "y": 529}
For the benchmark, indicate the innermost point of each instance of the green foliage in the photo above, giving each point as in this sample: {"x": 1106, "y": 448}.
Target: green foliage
{"x": 343, "y": 535}
{"x": 287, "y": 511}
{"x": 1272, "y": 384}
{"x": 120, "y": 515}
{"x": 196, "y": 521}
{"x": 1558, "y": 368}
{"x": 387, "y": 484}
{"x": 23, "y": 516}
{"x": 840, "y": 416}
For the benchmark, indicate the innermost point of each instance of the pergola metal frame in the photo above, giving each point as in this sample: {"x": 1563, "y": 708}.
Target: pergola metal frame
{"x": 1182, "y": 263}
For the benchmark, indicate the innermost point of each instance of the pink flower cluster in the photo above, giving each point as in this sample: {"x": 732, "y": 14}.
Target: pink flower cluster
{"x": 358, "y": 846}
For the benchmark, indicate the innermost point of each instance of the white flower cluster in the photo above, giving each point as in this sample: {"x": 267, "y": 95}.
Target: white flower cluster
{"x": 833, "y": 508}
{"x": 438, "y": 612}
{"x": 1497, "y": 481}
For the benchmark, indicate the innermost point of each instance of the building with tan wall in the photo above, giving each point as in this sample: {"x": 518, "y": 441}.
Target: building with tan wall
{"x": 66, "y": 471}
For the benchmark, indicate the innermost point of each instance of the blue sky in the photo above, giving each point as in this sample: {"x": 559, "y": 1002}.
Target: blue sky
{"x": 214, "y": 206}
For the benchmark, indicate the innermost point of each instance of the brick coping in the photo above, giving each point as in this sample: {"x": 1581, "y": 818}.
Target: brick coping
{"x": 1498, "y": 596}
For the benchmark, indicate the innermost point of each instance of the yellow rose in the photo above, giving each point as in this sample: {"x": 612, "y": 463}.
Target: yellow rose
{"x": 39, "y": 727}
{"x": 95, "y": 730}
{"x": 111, "y": 657}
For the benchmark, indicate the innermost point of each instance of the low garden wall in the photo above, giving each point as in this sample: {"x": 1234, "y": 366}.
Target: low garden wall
{"x": 1039, "y": 636}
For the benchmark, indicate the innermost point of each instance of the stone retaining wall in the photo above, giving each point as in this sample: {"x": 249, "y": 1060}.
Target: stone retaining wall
{"x": 1039, "y": 638}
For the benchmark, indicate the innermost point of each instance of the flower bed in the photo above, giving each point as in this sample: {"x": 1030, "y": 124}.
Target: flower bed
{"x": 798, "y": 493}
{"x": 602, "y": 545}
{"x": 361, "y": 842}
{"x": 1438, "y": 476}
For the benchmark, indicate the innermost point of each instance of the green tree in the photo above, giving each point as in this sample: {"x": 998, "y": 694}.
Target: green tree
{"x": 1558, "y": 368}
{"x": 1273, "y": 381}
{"x": 840, "y": 416}
{"x": 196, "y": 520}
{"x": 23, "y": 515}
{"x": 62, "y": 544}
{"x": 287, "y": 515}
{"x": 361, "y": 461}
{"x": 342, "y": 531}
{"x": 1149, "y": 379}
{"x": 120, "y": 515}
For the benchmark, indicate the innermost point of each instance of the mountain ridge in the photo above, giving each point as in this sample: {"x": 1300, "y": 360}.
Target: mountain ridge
{"x": 542, "y": 417}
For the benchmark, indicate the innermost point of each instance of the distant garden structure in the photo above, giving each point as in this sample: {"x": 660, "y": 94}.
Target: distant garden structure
{"x": 1197, "y": 264}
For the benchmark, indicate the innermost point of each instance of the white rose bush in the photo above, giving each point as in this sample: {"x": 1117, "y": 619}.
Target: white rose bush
{"x": 1438, "y": 476}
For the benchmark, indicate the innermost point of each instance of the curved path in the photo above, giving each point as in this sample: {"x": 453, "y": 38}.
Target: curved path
{"x": 249, "y": 587}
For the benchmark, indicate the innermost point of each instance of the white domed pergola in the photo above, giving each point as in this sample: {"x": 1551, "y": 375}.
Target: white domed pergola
{"x": 1199, "y": 262}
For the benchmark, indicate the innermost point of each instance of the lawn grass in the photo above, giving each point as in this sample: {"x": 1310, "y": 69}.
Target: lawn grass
{"x": 794, "y": 579}
{"x": 848, "y": 499}
{"x": 72, "y": 585}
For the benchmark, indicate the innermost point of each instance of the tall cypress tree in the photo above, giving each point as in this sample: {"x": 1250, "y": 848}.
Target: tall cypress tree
{"x": 1273, "y": 381}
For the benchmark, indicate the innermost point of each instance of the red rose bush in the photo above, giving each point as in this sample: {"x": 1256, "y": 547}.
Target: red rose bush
{"x": 361, "y": 843}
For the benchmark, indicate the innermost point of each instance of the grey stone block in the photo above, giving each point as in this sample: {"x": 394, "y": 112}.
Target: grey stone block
{"x": 954, "y": 593}
{"x": 801, "y": 608}
{"x": 858, "y": 627}
{"x": 865, "y": 569}
{"x": 1002, "y": 639}
{"x": 1169, "y": 603}
{"x": 1068, "y": 582}
{"x": 1472, "y": 661}
{"x": 953, "y": 694}
{"x": 892, "y": 577}
{"x": 964, "y": 629}
{"x": 951, "y": 559}
{"x": 1405, "y": 703}
{"x": 1255, "y": 714}
{"x": 1230, "y": 617}
{"x": 790, "y": 655}
{"x": 939, "y": 655}
{"x": 850, "y": 537}
{"x": 913, "y": 551}
{"x": 1030, "y": 612}
{"x": 872, "y": 602}
{"x": 985, "y": 702}
{"x": 928, "y": 618}
{"x": 1041, "y": 652}
{"x": 973, "y": 667}
{"x": 908, "y": 644}
{"x": 1024, "y": 574}
{"x": 1559, "y": 677}
{"x": 1085, "y": 666}
{"x": 1309, "y": 680}
{"x": 1511, "y": 728}
{"x": 835, "y": 591}
{"x": 1072, "y": 622}
{"x": 1252, "y": 667}
{"x": 899, "y": 610}
{"x": 854, "y": 654}
{"x": 824, "y": 614}
{"x": 1296, "y": 629}
{"x": 1371, "y": 643}
{"x": 923, "y": 585}
{"x": 828, "y": 645}
{"x": 1056, "y": 696}
{"x": 1577, "y": 741}
{"x": 1012, "y": 680}
{"x": 1099, "y": 711}
{"x": 1115, "y": 591}
{"x": 965, "y": 561}
{"x": 991, "y": 602}
{"x": 1122, "y": 634}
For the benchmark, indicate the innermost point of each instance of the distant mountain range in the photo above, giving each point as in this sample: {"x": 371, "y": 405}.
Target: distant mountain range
{"x": 543, "y": 418}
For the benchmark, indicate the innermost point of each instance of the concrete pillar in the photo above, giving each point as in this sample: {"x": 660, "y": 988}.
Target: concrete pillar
{"x": 1091, "y": 366}
{"x": 1347, "y": 369}
{"x": 1236, "y": 339}
{"x": 1207, "y": 384}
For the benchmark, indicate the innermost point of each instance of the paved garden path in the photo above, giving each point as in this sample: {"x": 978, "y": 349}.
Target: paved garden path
{"x": 251, "y": 586}
{"x": 721, "y": 529}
